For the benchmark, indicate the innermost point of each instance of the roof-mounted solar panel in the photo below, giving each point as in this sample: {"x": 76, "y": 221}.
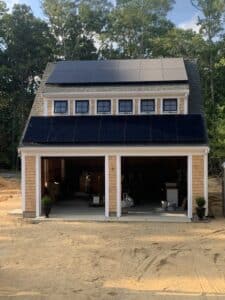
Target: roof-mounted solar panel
{"x": 116, "y": 130}
{"x": 118, "y": 71}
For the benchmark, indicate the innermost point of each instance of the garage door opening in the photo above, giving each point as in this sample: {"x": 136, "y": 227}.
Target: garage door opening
{"x": 76, "y": 185}
{"x": 154, "y": 185}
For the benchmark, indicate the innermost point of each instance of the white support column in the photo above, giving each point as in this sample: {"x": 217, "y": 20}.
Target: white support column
{"x": 118, "y": 185}
{"x": 206, "y": 182}
{"x": 189, "y": 186}
{"x": 23, "y": 183}
{"x": 38, "y": 185}
{"x": 106, "y": 186}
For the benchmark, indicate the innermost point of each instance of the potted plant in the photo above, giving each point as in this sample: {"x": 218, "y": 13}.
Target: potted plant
{"x": 200, "y": 209}
{"x": 46, "y": 204}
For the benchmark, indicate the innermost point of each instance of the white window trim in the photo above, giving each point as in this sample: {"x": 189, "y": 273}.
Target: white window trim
{"x": 102, "y": 113}
{"x": 147, "y": 113}
{"x": 60, "y": 114}
{"x": 172, "y": 112}
{"x": 80, "y": 114}
{"x": 124, "y": 113}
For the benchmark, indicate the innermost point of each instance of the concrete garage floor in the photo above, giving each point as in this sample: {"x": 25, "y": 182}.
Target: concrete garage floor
{"x": 67, "y": 210}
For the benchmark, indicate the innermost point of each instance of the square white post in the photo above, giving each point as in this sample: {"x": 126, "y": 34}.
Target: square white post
{"x": 38, "y": 185}
{"x": 206, "y": 182}
{"x": 118, "y": 185}
{"x": 23, "y": 184}
{"x": 106, "y": 186}
{"x": 189, "y": 185}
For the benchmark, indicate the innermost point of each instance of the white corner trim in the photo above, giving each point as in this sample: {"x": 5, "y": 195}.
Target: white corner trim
{"x": 23, "y": 182}
{"x": 38, "y": 185}
{"x": 118, "y": 185}
{"x": 106, "y": 186}
{"x": 45, "y": 108}
{"x": 189, "y": 187}
{"x": 206, "y": 182}
{"x": 186, "y": 104}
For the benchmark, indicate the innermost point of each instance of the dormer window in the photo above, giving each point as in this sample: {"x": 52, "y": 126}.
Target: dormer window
{"x": 82, "y": 106}
{"x": 60, "y": 107}
{"x": 125, "y": 106}
{"x": 170, "y": 105}
{"x": 147, "y": 106}
{"x": 103, "y": 106}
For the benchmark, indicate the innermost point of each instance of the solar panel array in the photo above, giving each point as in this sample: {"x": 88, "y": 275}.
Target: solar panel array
{"x": 118, "y": 71}
{"x": 116, "y": 130}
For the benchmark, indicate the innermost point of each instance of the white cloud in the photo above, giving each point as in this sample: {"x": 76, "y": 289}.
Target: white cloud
{"x": 190, "y": 24}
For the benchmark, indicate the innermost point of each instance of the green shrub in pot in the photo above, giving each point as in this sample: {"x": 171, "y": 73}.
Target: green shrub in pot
{"x": 200, "y": 209}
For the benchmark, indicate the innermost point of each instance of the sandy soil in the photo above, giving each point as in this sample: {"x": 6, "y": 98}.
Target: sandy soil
{"x": 67, "y": 260}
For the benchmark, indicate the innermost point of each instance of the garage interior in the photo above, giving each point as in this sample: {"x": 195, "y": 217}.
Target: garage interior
{"x": 76, "y": 184}
{"x": 155, "y": 185}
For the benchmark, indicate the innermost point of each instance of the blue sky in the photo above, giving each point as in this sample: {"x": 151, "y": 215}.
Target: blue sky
{"x": 183, "y": 14}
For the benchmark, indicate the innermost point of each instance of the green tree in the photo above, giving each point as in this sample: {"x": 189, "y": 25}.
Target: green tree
{"x": 76, "y": 25}
{"x": 179, "y": 43}
{"x": 26, "y": 47}
{"x": 211, "y": 26}
{"x": 134, "y": 23}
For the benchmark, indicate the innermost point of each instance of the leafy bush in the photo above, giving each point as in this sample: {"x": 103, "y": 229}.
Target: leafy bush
{"x": 46, "y": 200}
{"x": 200, "y": 201}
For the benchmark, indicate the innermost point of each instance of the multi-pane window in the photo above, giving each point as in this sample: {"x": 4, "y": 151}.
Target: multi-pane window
{"x": 125, "y": 106}
{"x": 60, "y": 106}
{"x": 82, "y": 107}
{"x": 169, "y": 105}
{"x": 147, "y": 105}
{"x": 103, "y": 106}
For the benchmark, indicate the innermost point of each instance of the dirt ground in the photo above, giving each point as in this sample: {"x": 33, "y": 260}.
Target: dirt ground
{"x": 88, "y": 260}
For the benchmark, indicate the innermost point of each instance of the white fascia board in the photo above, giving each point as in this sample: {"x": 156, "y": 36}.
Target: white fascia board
{"x": 119, "y": 93}
{"x": 122, "y": 151}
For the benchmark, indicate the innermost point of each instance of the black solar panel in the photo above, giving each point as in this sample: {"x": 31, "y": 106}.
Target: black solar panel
{"x": 116, "y": 130}
{"x": 112, "y": 130}
{"x": 137, "y": 130}
{"x": 119, "y": 71}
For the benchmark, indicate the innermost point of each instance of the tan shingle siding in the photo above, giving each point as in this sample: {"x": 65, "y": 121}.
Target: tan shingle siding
{"x": 38, "y": 105}
{"x": 30, "y": 186}
{"x": 112, "y": 185}
{"x": 197, "y": 178}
